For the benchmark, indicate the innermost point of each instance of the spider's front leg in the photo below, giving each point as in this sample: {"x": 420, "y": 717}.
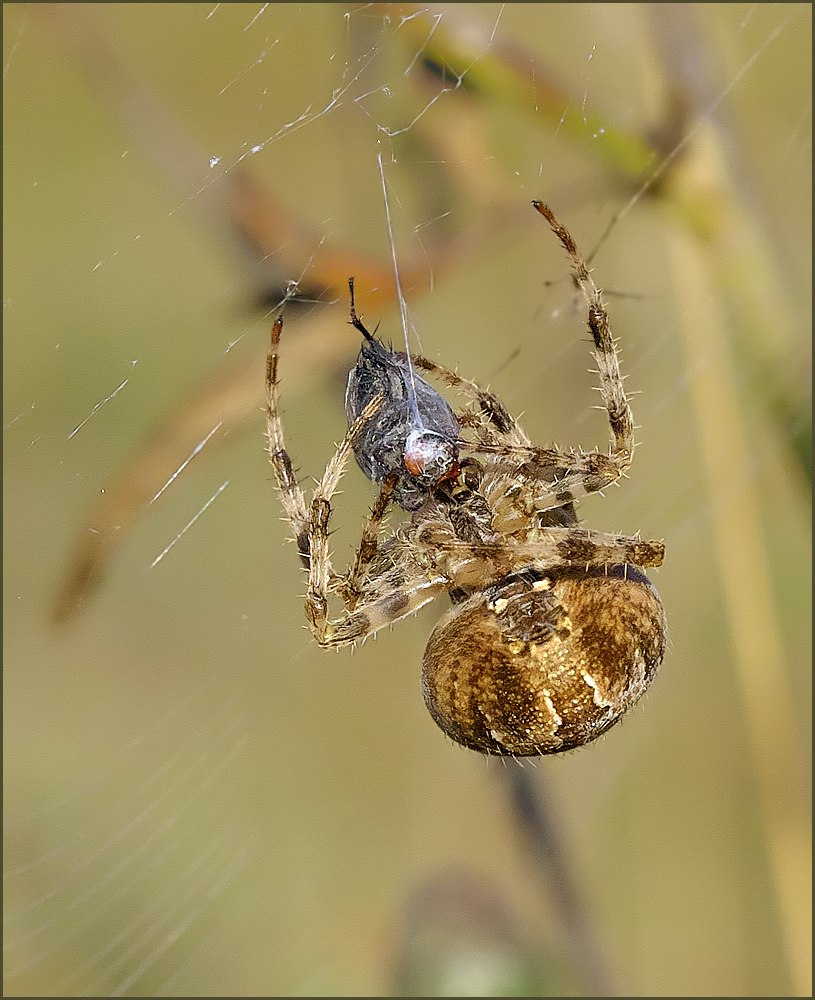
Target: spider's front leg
{"x": 309, "y": 523}
{"x": 291, "y": 495}
{"x": 612, "y": 392}
{"x": 562, "y": 476}
{"x": 492, "y": 421}
{"x": 321, "y": 580}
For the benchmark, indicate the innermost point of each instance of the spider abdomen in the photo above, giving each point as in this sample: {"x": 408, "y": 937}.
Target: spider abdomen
{"x": 544, "y": 661}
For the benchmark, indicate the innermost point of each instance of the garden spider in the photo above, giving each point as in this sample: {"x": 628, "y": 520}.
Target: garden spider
{"x": 555, "y": 631}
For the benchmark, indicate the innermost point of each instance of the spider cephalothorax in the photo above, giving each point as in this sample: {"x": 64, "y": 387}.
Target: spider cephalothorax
{"x": 555, "y": 631}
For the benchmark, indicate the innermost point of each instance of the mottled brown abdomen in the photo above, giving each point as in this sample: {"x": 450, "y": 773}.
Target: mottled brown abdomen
{"x": 544, "y": 661}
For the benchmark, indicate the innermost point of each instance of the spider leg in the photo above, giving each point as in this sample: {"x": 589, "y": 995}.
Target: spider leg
{"x": 494, "y": 416}
{"x": 385, "y": 583}
{"x": 321, "y": 580}
{"x": 556, "y": 477}
{"x": 396, "y": 592}
{"x": 547, "y": 547}
{"x": 578, "y": 547}
{"x": 368, "y": 544}
{"x": 381, "y": 604}
{"x": 605, "y": 350}
{"x": 310, "y": 522}
{"x": 563, "y": 476}
{"x": 560, "y": 477}
{"x": 291, "y": 495}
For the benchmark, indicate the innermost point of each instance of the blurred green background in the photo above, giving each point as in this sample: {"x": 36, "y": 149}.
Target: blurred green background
{"x": 200, "y": 802}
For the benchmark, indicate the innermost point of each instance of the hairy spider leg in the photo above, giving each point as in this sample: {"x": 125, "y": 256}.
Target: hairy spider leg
{"x": 564, "y": 475}
{"x": 291, "y": 494}
{"x": 605, "y": 353}
{"x": 569, "y": 546}
{"x": 395, "y": 598}
{"x": 369, "y": 543}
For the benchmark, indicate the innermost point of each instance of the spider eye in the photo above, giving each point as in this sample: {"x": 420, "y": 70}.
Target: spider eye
{"x": 540, "y": 664}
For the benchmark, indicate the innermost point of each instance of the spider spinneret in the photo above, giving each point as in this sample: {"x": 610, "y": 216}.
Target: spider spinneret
{"x": 555, "y": 631}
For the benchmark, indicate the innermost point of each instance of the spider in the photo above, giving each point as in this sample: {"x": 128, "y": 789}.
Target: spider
{"x": 555, "y": 631}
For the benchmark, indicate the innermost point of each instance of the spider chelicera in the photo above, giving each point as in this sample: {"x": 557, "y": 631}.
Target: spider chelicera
{"x": 555, "y": 631}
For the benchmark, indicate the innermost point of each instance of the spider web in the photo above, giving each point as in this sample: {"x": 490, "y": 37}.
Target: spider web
{"x": 199, "y": 802}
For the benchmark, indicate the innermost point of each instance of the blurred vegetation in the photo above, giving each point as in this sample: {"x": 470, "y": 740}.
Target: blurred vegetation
{"x": 198, "y": 801}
